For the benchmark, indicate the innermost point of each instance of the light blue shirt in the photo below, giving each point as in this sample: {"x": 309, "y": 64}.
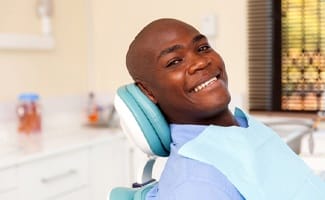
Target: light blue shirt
{"x": 188, "y": 179}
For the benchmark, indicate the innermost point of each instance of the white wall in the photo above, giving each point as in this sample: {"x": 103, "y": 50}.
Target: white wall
{"x": 95, "y": 34}
{"x": 116, "y": 24}
{"x": 55, "y": 72}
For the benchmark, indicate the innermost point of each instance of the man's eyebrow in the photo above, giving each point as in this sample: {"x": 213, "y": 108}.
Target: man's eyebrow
{"x": 198, "y": 38}
{"x": 169, "y": 50}
{"x": 177, "y": 46}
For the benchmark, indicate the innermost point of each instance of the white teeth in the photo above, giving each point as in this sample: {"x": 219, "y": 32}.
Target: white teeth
{"x": 205, "y": 84}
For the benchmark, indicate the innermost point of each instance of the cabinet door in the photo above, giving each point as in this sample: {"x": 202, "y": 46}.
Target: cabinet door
{"x": 54, "y": 176}
{"x": 81, "y": 194}
{"x": 8, "y": 184}
{"x": 8, "y": 195}
{"x": 109, "y": 166}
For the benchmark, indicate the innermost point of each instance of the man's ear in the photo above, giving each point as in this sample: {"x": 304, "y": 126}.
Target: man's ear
{"x": 146, "y": 91}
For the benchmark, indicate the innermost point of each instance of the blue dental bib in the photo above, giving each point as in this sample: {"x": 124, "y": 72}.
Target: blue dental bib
{"x": 257, "y": 161}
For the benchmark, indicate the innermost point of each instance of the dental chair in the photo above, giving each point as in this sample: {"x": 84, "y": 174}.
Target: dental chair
{"x": 144, "y": 124}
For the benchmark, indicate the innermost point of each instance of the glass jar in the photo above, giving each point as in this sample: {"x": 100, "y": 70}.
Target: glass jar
{"x": 92, "y": 109}
{"x": 29, "y": 113}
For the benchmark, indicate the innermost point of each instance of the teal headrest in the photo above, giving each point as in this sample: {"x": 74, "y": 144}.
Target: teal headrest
{"x": 141, "y": 113}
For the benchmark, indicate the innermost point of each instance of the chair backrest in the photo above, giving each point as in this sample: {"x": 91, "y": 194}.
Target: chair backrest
{"x": 142, "y": 121}
{"x": 144, "y": 124}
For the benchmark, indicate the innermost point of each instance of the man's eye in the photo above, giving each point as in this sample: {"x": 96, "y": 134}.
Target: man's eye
{"x": 204, "y": 48}
{"x": 174, "y": 62}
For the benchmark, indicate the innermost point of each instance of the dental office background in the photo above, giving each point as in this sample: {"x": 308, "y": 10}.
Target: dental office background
{"x": 62, "y": 51}
{"x": 92, "y": 36}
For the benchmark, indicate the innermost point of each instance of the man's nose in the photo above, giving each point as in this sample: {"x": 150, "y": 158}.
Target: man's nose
{"x": 197, "y": 63}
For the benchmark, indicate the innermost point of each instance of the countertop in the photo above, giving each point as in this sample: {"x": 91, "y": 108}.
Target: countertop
{"x": 21, "y": 148}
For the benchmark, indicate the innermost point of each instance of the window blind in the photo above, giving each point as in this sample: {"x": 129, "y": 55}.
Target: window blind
{"x": 286, "y": 40}
{"x": 260, "y": 54}
{"x": 303, "y": 58}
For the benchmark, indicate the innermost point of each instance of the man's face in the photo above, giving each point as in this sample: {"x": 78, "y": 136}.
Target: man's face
{"x": 189, "y": 81}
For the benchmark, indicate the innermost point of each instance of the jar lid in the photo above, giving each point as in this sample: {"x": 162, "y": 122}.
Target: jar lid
{"x": 28, "y": 97}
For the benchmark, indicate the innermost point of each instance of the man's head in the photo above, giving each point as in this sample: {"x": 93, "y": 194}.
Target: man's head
{"x": 174, "y": 65}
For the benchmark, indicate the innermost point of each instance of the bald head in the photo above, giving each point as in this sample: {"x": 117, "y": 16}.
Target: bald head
{"x": 143, "y": 52}
{"x": 176, "y": 68}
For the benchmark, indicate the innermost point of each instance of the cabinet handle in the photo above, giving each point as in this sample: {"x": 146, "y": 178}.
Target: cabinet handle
{"x": 56, "y": 177}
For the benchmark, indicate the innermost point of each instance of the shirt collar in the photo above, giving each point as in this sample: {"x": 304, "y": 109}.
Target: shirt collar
{"x": 182, "y": 133}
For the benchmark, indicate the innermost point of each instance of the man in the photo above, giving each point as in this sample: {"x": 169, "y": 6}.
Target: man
{"x": 214, "y": 154}
{"x": 174, "y": 65}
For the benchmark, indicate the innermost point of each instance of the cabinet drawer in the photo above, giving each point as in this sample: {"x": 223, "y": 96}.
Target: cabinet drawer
{"x": 81, "y": 194}
{"x": 54, "y": 175}
{"x": 9, "y": 195}
{"x": 8, "y": 180}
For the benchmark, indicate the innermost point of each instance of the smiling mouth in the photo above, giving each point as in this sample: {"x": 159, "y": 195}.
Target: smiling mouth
{"x": 205, "y": 84}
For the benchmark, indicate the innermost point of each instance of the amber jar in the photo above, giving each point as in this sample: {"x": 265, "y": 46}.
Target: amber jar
{"x": 29, "y": 113}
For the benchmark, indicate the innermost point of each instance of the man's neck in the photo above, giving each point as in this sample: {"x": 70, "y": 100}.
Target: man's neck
{"x": 225, "y": 118}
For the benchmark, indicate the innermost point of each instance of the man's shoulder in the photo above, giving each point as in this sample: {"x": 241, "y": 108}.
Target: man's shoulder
{"x": 179, "y": 170}
{"x": 186, "y": 178}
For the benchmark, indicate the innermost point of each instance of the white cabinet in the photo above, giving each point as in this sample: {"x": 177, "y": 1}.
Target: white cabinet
{"x": 109, "y": 166}
{"x": 8, "y": 195}
{"x": 8, "y": 184}
{"x": 81, "y": 194}
{"x": 54, "y": 176}
{"x": 82, "y": 167}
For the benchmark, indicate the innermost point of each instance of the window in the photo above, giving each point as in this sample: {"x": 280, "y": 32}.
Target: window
{"x": 286, "y": 55}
